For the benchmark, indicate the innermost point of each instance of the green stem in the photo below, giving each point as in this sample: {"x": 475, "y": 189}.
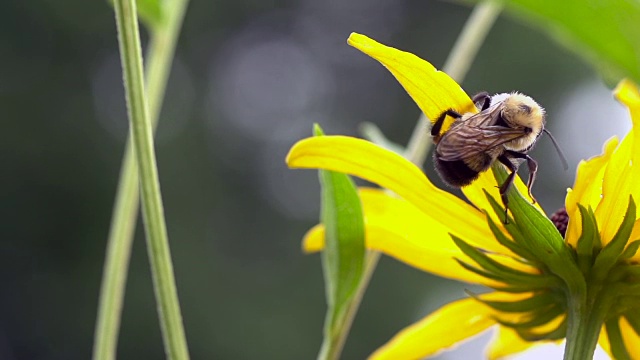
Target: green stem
{"x": 463, "y": 53}
{"x": 159, "y": 59}
{"x": 584, "y": 325}
{"x": 457, "y": 65}
{"x": 152, "y": 210}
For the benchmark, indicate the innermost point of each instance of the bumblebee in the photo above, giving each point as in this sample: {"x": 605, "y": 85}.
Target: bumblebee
{"x": 505, "y": 129}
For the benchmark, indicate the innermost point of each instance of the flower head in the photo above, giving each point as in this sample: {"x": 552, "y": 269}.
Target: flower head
{"x": 539, "y": 281}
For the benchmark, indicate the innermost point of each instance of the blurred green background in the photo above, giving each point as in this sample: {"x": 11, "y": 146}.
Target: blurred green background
{"x": 249, "y": 79}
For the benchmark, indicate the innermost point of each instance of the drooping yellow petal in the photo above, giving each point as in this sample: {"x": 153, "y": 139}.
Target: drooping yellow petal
{"x": 623, "y": 171}
{"x": 442, "y": 329}
{"x": 391, "y": 171}
{"x": 398, "y": 229}
{"x": 434, "y": 91}
{"x": 631, "y": 339}
{"x": 587, "y": 189}
{"x": 505, "y": 342}
{"x": 627, "y": 92}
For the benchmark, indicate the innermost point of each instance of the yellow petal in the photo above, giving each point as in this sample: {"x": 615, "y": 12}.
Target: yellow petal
{"x": 507, "y": 342}
{"x": 629, "y": 336}
{"x": 623, "y": 171}
{"x": 445, "y": 327}
{"x": 587, "y": 189}
{"x": 627, "y": 92}
{"x": 434, "y": 91}
{"x": 603, "y": 341}
{"x": 398, "y": 229}
{"x": 391, "y": 171}
{"x": 631, "y": 339}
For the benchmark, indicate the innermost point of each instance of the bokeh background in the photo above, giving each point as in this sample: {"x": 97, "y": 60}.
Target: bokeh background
{"x": 250, "y": 78}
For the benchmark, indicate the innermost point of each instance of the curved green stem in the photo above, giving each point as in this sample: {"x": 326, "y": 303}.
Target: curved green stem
{"x": 153, "y": 213}
{"x": 125, "y": 212}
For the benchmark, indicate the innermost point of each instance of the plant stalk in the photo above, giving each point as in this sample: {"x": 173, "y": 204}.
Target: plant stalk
{"x": 152, "y": 209}
{"x": 125, "y": 212}
{"x": 584, "y": 325}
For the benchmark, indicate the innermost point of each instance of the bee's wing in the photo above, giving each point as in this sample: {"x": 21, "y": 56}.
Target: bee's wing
{"x": 476, "y": 136}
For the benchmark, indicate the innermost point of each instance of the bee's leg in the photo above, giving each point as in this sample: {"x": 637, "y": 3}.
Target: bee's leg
{"x": 437, "y": 125}
{"x": 533, "y": 169}
{"x": 482, "y": 100}
{"x": 507, "y": 183}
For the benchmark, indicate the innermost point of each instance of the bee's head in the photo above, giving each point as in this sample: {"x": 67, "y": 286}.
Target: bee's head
{"x": 521, "y": 110}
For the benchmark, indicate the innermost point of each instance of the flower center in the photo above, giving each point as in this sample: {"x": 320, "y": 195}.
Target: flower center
{"x": 560, "y": 219}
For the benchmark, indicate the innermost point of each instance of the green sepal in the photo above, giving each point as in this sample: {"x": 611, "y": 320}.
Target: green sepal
{"x": 531, "y": 247}
{"x": 532, "y": 303}
{"x": 515, "y": 247}
{"x": 633, "y": 318}
{"x": 589, "y": 242}
{"x": 631, "y": 250}
{"x": 517, "y": 289}
{"x": 610, "y": 254}
{"x": 344, "y": 252}
{"x": 510, "y": 286}
{"x": 556, "y": 334}
{"x": 480, "y": 272}
{"x": 531, "y": 221}
{"x": 535, "y": 318}
{"x": 618, "y": 349}
{"x": 541, "y": 237}
{"x": 503, "y": 272}
{"x": 632, "y": 273}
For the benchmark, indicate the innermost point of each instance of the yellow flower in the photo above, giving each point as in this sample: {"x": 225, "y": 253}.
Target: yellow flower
{"x": 435, "y": 231}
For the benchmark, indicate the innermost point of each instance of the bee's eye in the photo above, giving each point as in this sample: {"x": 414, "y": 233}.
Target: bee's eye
{"x": 525, "y": 108}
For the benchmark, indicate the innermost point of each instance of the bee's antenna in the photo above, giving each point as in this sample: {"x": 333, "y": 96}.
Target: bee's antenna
{"x": 562, "y": 158}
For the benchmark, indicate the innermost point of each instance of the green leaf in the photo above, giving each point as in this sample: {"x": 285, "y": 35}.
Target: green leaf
{"x": 610, "y": 254}
{"x": 603, "y": 32}
{"x": 618, "y": 350}
{"x": 343, "y": 256}
{"x": 151, "y": 12}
